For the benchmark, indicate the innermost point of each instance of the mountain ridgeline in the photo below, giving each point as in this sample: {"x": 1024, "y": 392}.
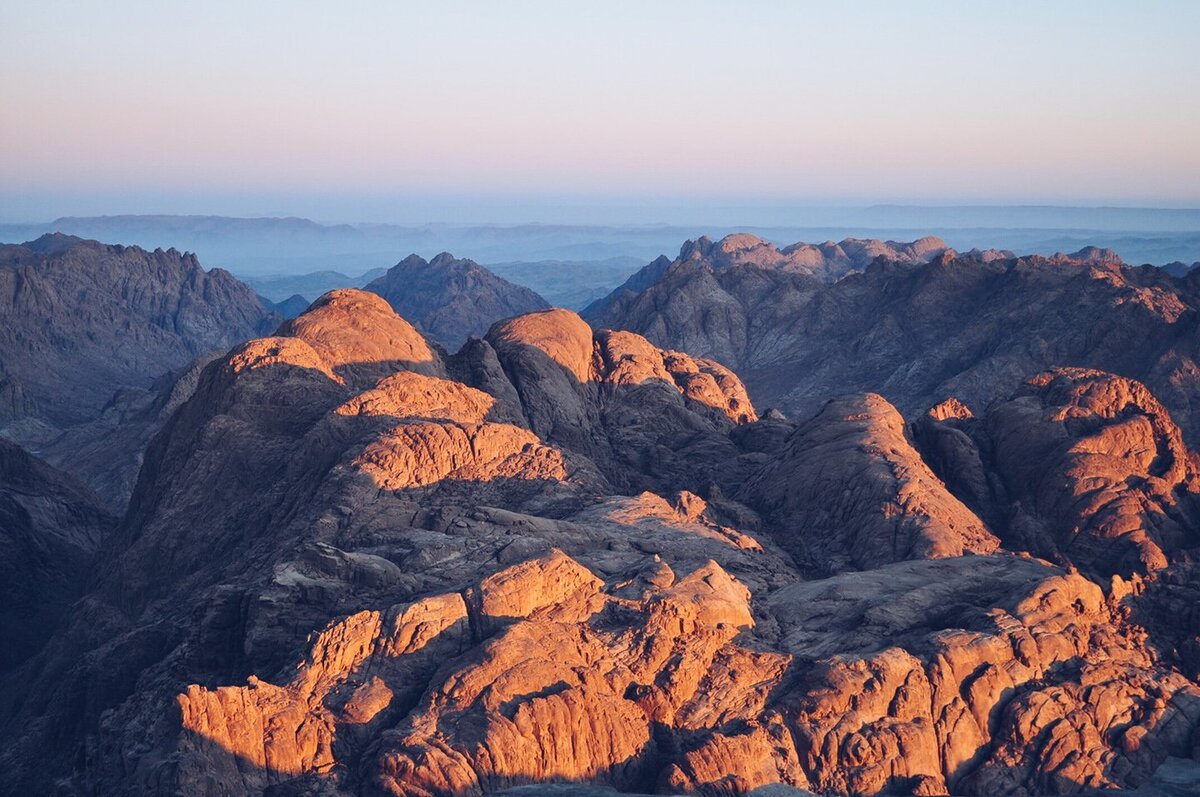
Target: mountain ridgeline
{"x": 100, "y": 343}
{"x": 493, "y": 545}
{"x": 81, "y": 319}
{"x": 918, "y": 327}
{"x": 450, "y": 299}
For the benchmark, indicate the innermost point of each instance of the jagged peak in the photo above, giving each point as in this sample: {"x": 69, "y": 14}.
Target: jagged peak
{"x": 54, "y": 242}
{"x": 357, "y": 329}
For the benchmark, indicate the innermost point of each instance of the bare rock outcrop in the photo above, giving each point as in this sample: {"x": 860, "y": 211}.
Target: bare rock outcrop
{"x": 360, "y": 338}
{"x": 848, "y": 491}
{"x": 50, "y": 527}
{"x": 353, "y": 565}
{"x": 646, "y": 417}
{"x": 971, "y": 675}
{"x": 1100, "y": 462}
{"x": 106, "y": 453}
{"x": 332, "y": 469}
{"x": 451, "y": 300}
{"x": 977, "y": 675}
{"x": 917, "y": 327}
{"x": 551, "y": 676}
{"x": 93, "y": 339}
{"x": 828, "y": 262}
{"x": 1079, "y": 466}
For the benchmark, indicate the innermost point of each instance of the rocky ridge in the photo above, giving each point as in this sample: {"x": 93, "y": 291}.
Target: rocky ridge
{"x": 355, "y": 565}
{"x": 94, "y": 340}
{"x": 449, "y": 299}
{"x": 81, "y": 319}
{"x": 972, "y": 326}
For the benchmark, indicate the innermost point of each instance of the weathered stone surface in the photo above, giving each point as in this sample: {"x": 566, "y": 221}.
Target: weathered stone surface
{"x": 649, "y": 419}
{"x": 98, "y": 342}
{"x": 360, "y": 339}
{"x": 81, "y": 319}
{"x": 334, "y": 467}
{"x": 974, "y": 675}
{"x": 451, "y": 300}
{"x": 917, "y": 328}
{"x": 563, "y": 682}
{"x": 353, "y": 565}
{"x": 849, "y": 491}
{"x": 1098, "y": 464}
{"x": 50, "y": 528}
{"x": 946, "y": 683}
{"x": 1079, "y": 466}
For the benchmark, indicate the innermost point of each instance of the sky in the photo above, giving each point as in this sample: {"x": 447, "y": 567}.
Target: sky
{"x": 373, "y": 110}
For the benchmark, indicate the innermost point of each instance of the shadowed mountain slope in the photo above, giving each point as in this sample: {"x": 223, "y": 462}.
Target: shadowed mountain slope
{"x": 354, "y": 565}
{"x": 81, "y": 319}
{"x": 50, "y": 526}
{"x": 971, "y": 326}
{"x": 451, "y": 300}
{"x": 92, "y": 338}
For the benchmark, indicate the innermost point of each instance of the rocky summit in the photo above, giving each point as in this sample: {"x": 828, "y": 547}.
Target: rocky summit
{"x": 82, "y": 319}
{"x": 450, "y": 299}
{"x": 98, "y": 344}
{"x": 916, "y": 328}
{"x": 564, "y": 559}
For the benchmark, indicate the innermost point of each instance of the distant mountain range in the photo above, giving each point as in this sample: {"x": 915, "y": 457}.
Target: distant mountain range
{"x": 449, "y": 299}
{"x": 914, "y": 327}
{"x": 563, "y": 283}
{"x": 333, "y": 557}
{"x": 310, "y": 285}
{"x": 263, "y": 247}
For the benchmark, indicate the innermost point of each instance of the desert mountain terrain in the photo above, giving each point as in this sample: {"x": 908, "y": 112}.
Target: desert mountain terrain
{"x": 450, "y": 299}
{"x": 355, "y": 564}
{"x": 94, "y": 341}
{"x": 973, "y": 326}
{"x": 82, "y": 319}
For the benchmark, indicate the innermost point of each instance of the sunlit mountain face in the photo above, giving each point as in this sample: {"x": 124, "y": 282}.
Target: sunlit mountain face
{"x": 354, "y": 561}
{"x": 569, "y": 400}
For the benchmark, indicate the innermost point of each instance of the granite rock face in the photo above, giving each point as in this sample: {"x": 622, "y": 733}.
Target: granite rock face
{"x": 82, "y": 319}
{"x": 849, "y": 491}
{"x": 355, "y": 565}
{"x": 917, "y": 329}
{"x": 1078, "y": 466}
{"x": 450, "y": 299}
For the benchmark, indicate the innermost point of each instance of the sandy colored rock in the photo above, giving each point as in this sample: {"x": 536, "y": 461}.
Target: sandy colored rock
{"x": 1079, "y": 466}
{"x": 345, "y": 575}
{"x": 849, "y": 491}
{"x": 360, "y": 338}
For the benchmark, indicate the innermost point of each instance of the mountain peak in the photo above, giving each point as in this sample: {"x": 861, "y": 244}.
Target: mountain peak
{"x": 451, "y": 299}
{"x": 142, "y": 314}
{"x": 827, "y": 261}
{"x": 54, "y": 242}
{"x": 358, "y": 335}
{"x": 1095, "y": 254}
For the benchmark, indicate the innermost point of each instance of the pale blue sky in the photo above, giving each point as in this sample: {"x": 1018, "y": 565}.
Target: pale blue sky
{"x": 124, "y": 101}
